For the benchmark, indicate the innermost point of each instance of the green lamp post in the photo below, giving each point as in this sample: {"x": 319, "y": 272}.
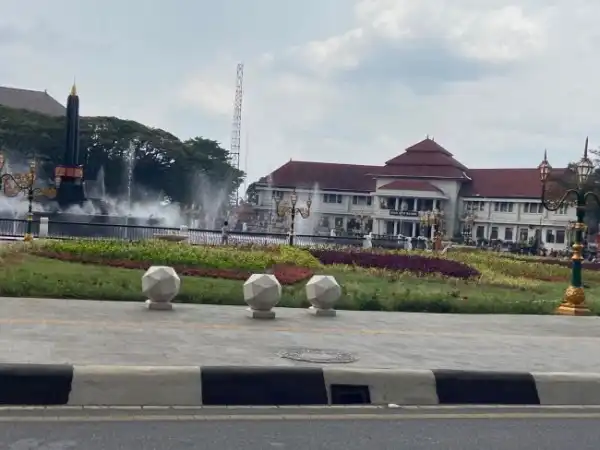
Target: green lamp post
{"x": 573, "y": 303}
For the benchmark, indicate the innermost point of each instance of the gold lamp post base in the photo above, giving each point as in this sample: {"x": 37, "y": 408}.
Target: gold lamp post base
{"x": 573, "y": 303}
{"x": 566, "y": 309}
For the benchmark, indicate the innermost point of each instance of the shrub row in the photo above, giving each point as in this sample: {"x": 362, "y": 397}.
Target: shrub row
{"x": 286, "y": 274}
{"x": 417, "y": 264}
{"x": 167, "y": 253}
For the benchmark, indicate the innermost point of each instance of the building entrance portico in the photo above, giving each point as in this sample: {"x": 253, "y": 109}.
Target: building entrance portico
{"x": 409, "y": 228}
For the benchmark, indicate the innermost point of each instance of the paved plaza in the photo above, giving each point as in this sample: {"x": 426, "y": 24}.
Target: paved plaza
{"x": 119, "y": 333}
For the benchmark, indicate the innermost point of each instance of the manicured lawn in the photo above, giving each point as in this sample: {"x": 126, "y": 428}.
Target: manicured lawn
{"x": 23, "y": 275}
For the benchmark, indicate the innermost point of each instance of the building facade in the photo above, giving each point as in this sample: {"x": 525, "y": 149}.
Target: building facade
{"x": 483, "y": 204}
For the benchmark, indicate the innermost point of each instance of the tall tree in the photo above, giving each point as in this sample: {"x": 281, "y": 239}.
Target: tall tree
{"x": 163, "y": 163}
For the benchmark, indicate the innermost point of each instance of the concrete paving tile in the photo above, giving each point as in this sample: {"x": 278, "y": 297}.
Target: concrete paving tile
{"x": 89, "y": 332}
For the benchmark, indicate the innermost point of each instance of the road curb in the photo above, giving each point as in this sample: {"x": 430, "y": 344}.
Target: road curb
{"x": 190, "y": 386}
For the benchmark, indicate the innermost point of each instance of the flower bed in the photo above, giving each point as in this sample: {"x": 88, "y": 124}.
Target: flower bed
{"x": 286, "y": 274}
{"x": 417, "y": 264}
{"x": 250, "y": 259}
{"x": 527, "y": 267}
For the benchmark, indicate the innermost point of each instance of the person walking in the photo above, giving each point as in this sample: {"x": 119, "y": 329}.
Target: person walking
{"x": 225, "y": 233}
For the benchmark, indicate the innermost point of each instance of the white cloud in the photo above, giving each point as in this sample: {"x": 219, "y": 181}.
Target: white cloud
{"x": 499, "y": 34}
{"x": 336, "y": 52}
{"x": 209, "y": 95}
{"x": 495, "y": 81}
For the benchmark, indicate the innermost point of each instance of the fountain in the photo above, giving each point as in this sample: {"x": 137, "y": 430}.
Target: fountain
{"x": 129, "y": 167}
{"x": 82, "y": 207}
{"x": 309, "y": 226}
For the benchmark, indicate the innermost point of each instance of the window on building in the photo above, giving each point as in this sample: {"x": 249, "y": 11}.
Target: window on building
{"x": 427, "y": 205}
{"x": 562, "y": 210}
{"x": 390, "y": 227}
{"x": 533, "y": 208}
{"x": 278, "y": 195}
{"x": 560, "y": 236}
{"x": 494, "y": 233}
{"x": 361, "y": 200}
{"x": 474, "y": 206}
{"x": 550, "y": 237}
{"x": 480, "y": 233}
{"x": 339, "y": 222}
{"x": 508, "y": 234}
{"x": 390, "y": 203}
{"x": 503, "y": 207}
{"x": 324, "y": 222}
{"x": 332, "y": 198}
{"x": 523, "y": 234}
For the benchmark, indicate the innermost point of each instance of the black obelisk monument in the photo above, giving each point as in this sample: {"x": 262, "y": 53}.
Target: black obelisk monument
{"x": 68, "y": 177}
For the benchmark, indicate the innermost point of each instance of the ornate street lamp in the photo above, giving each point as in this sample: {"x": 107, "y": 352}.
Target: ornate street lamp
{"x": 363, "y": 220}
{"x": 573, "y": 303}
{"x": 13, "y": 184}
{"x": 283, "y": 210}
{"x": 434, "y": 219}
{"x": 468, "y": 222}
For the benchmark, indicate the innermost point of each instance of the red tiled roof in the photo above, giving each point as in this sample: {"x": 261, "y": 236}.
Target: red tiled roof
{"x": 410, "y": 185}
{"x": 510, "y": 183}
{"x": 342, "y": 177}
{"x": 426, "y": 153}
{"x": 423, "y": 171}
{"x": 430, "y": 161}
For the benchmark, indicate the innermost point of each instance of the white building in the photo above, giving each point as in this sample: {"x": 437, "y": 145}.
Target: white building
{"x": 503, "y": 204}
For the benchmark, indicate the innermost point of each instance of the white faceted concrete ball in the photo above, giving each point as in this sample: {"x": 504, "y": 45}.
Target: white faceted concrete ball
{"x": 160, "y": 284}
{"x": 262, "y": 291}
{"x": 322, "y": 291}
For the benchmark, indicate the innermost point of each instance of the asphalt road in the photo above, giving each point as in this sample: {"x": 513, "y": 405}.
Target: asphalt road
{"x": 297, "y": 430}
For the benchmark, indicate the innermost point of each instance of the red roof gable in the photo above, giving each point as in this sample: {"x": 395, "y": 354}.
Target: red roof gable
{"x": 410, "y": 185}
{"x": 425, "y": 153}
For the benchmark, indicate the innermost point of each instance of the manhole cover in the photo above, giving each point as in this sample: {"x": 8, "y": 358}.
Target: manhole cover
{"x": 315, "y": 355}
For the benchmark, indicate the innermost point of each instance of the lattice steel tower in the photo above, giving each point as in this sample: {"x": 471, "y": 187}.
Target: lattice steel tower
{"x": 236, "y": 127}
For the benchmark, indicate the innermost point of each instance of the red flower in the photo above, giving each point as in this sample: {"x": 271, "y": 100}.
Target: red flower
{"x": 284, "y": 273}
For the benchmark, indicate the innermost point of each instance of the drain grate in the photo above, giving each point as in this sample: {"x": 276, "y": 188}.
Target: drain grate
{"x": 346, "y": 394}
{"x": 319, "y": 356}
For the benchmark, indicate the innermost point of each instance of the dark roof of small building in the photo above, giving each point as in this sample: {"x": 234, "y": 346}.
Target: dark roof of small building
{"x": 35, "y": 101}
{"x": 424, "y": 160}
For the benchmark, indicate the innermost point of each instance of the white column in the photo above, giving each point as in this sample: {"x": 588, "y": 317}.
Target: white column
{"x": 414, "y": 230}
{"x": 396, "y": 203}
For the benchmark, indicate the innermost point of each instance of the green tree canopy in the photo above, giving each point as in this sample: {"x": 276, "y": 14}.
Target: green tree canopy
{"x": 163, "y": 163}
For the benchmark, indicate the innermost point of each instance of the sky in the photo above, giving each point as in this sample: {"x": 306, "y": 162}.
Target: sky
{"x": 355, "y": 81}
